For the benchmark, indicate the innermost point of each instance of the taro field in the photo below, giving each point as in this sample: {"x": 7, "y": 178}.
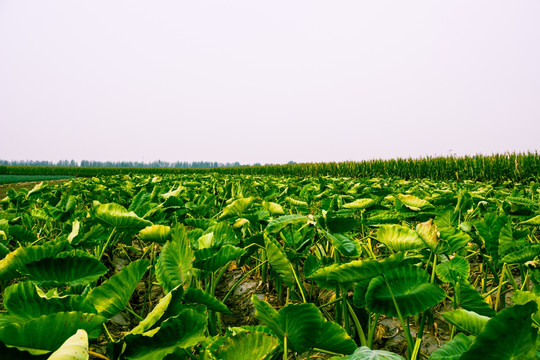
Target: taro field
{"x": 213, "y": 266}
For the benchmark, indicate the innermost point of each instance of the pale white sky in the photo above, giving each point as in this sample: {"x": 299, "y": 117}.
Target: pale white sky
{"x": 267, "y": 81}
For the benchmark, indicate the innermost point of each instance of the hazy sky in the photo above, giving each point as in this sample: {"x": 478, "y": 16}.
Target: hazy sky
{"x": 267, "y": 81}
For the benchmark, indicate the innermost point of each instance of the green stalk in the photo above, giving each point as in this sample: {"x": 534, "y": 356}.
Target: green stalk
{"x": 357, "y": 324}
{"x": 499, "y": 288}
{"x": 102, "y": 252}
{"x": 405, "y": 329}
{"x": 285, "y": 347}
{"x": 371, "y": 332}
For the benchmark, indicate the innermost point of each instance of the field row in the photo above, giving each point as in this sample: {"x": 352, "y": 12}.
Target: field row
{"x": 214, "y": 266}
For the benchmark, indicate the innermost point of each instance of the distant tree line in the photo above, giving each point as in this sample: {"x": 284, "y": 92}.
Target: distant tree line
{"x": 153, "y": 164}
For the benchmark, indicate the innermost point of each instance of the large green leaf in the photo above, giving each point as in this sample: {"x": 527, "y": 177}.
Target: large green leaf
{"x": 489, "y": 229}
{"x": 523, "y": 297}
{"x": 532, "y": 221}
{"x": 301, "y": 324}
{"x": 359, "y": 270}
{"x": 24, "y": 255}
{"x": 247, "y": 346}
{"x": 71, "y": 270}
{"x": 198, "y": 296}
{"x": 509, "y": 335}
{"x": 182, "y": 331}
{"x": 453, "y": 349}
{"x": 212, "y": 259}
{"x": 523, "y": 255}
{"x": 157, "y": 312}
{"x": 74, "y": 348}
{"x": 471, "y": 300}
{"x": 112, "y": 296}
{"x": 281, "y": 222}
{"x": 273, "y": 208}
{"x": 335, "y": 339}
{"x": 456, "y": 239}
{"x": 117, "y": 216}
{"x": 452, "y": 270}
{"x": 304, "y": 327}
{"x": 23, "y": 299}
{"x": 47, "y": 332}
{"x": 343, "y": 244}
{"x": 410, "y": 287}
{"x": 414, "y": 202}
{"x": 464, "y": 320}
{"x": 236, "y": 208}
{"x": 365, "y": 353}
{"x": 175, "y": 263}
{"x": 156, "y": 233}
{"x": 360, "y": 204}
{"x": 400, "y": 238}
{"x": 278, "y": 260}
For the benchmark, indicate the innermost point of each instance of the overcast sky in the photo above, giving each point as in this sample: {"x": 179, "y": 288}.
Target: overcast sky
{"x": 267, "y": 81}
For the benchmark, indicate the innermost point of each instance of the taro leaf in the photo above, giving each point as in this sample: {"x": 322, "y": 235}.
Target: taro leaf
{"x": 14, "y": 354}
{"x": 301, "y": 324}
{"x": 456, "y": 239}
{"x": 523, "y": 297}
{"x": 175, "y": 263}
{"x": 527, "y": 253}
{"x": 213, "y": 259}
{"x": 157, "y": 312}
{"x": 399, "y": 238}
{"x": 47, "y": 332}
{"x": 343, "y": 244}
{"x": 247, "y": 346}
{"x": 413, "y": 202}
{"x": 267, "y": 314}
{"x": 117, "y": 216}
{"x": 236, "y": 208}
{"x": 200, "y": 297}
{"x": 467, "y": 321}
{"x": 451, "y": 271}
{"x": 453, "y": 349}
{"x": 278, "y": 260}
{"x": 182, "y": 331}
{"x": 281, "y": 222}
{"x": 335, "y": 339}
{"x": 489, "y": 229}
{"x": 155, "y": 233}
{"x": 74, "y": 348}
{"x": 532, "y": 221}
{"x": 429, "y": 233}
{"x": 22, "y": 234}
{"x": 471, "y": 300}
{"x": 23, "y": 299}
{"x": 359, "y": 296}
{"x": 223, "y": 234}
{"x": 360, "y": 204}
{"x": 410, "y": 287}
{"x": 509, "y": 335}
{"x": 72, "y": 270}
{"x": 311, "y": 264}
{"x": 358, "y": 270}
{"x": 365, "y": 353}
{"x": 321, "y": 276}
{"x": 25, "y": 255}
{"x": 200, "y": 223}
{"x": 112, "y": 296}
{"x": 273, "y": 208}
{"x": 341, "y": 224}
